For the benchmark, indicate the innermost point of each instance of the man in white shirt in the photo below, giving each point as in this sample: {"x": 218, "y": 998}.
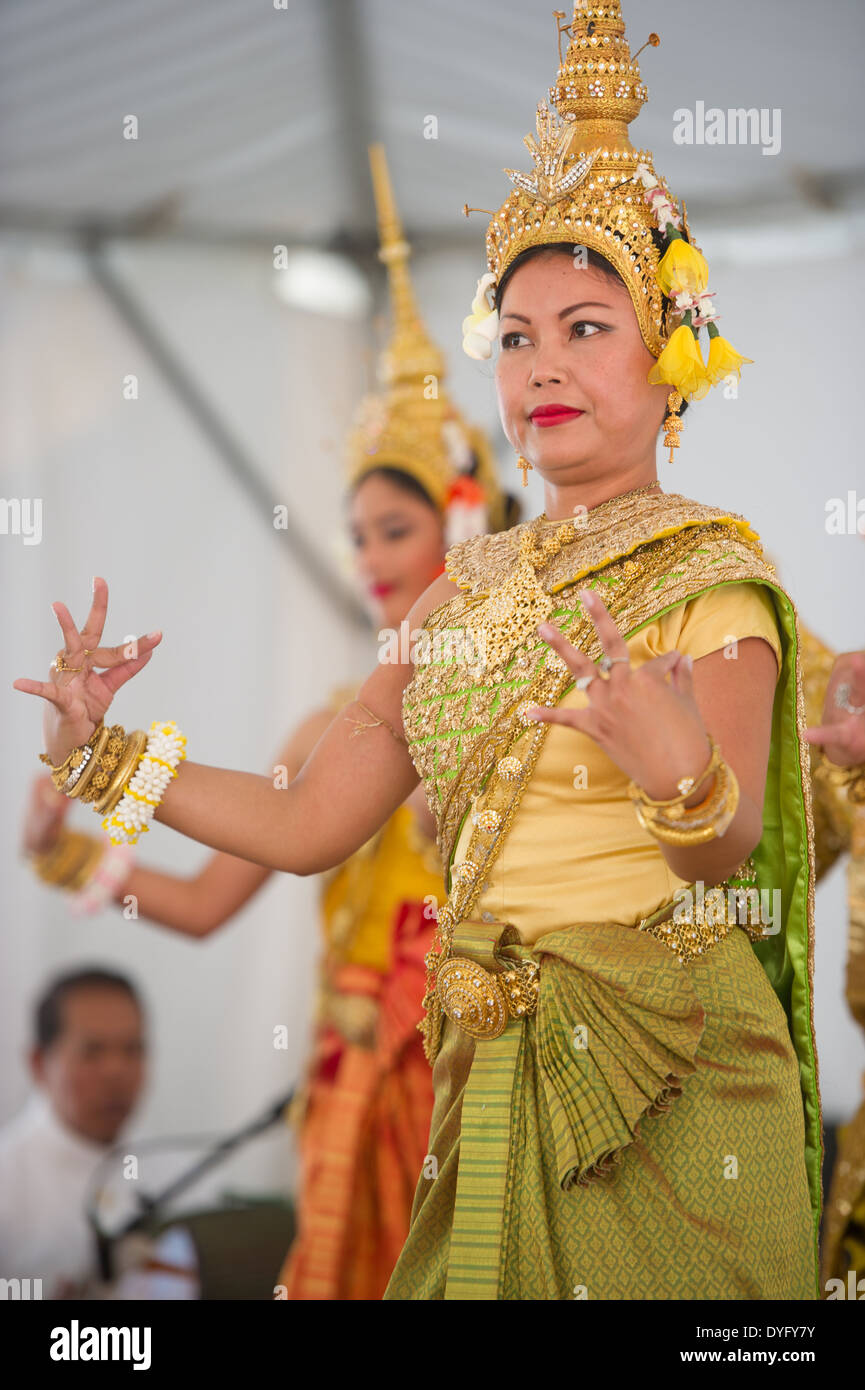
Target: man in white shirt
{"x": 88, "y": 1060}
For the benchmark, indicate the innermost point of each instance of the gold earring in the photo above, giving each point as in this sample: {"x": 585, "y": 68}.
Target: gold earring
{"x": 526, "y": 467}
{"x": 673, "y": 424}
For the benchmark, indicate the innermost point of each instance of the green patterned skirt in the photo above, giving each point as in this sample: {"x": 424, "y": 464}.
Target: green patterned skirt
{"x": 640, "y": 1137}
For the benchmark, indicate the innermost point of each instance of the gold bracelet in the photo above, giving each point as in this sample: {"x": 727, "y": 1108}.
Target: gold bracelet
{"x": 61, "y": 774}
{"x": 362, "y": 725}
{"x": 130, "y": 758}
{"x": 853, "y": 778}
{"x": 70, "y": 862}
{"x": 697, "y": 824}
{"x": 687, "y": 785}
{"x": 110, "y": 756}
{"x": 89, "y": 771}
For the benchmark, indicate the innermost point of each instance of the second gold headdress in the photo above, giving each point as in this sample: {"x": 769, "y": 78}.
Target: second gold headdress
{"x": 412, "y": 424}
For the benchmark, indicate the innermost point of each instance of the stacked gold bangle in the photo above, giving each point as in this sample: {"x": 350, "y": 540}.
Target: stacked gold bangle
{"x": 71, "y": 862}
{"x": 123, "y": 776}
{"x": 98, "y": 771}
{"x": 677, "y": 824}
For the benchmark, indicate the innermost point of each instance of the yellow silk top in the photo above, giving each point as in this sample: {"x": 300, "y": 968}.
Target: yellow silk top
{"x": 575, "y": 851}
{"x": 360, "y": 897}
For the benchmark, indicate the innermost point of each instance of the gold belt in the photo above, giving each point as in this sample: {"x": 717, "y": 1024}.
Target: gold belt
{"x": 482, "y": 1002}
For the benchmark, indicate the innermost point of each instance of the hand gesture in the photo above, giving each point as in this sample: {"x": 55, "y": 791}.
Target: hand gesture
{"x": 77, "y": 696}
{"x": 649, "y": 726}
{"x": 842, "y": 733}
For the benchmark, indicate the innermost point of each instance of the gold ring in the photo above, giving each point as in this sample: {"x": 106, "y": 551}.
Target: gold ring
{"x": 60, "y": 664}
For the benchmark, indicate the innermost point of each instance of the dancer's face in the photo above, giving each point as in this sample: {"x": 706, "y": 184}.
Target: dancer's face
{"x": 569, "y": 336}
{"x": 399, "y": 546}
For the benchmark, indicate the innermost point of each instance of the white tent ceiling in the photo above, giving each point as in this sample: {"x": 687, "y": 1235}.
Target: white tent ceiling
{"x": 253, "y": 120}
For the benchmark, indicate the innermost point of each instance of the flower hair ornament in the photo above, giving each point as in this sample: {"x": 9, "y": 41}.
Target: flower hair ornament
{"x": 591, "y": 188}
{"x": 481, "y": 326}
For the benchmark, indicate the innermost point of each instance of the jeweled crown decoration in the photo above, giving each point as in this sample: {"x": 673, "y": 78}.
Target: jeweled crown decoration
{"x": 412, "y": 424}
{"x": 590, "y": 187}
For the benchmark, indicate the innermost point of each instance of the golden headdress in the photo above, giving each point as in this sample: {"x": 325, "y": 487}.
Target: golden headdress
{"x": 591, "y": 188}
{"x": 412, "y": 425}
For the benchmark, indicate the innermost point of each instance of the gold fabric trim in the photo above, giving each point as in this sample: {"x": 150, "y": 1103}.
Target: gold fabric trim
{"x": 614, "y": 528}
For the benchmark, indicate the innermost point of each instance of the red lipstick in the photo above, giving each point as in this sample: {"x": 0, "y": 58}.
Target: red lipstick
{"x": 381, "y": 590}
{"x": 553, "y": 414}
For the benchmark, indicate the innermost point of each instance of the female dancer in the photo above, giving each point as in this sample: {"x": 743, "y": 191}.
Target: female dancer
{"x": 835, "y": 689}
{"x": 364, "y": 1111}
{"x": 607, "y": 716}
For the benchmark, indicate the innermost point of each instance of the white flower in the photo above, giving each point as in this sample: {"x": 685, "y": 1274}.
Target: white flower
{"x": 481, "y": 304}
{"x": 481, "y": 326}
{"x": 664, "y": 211}
{"x": 645, "y": 174}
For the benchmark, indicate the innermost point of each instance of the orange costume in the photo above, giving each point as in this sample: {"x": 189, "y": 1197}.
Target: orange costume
{"x": 366, "y": 1110}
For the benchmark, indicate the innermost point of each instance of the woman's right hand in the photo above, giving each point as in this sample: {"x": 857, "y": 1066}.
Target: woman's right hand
{"x": 43, "y": 821}
{"x": 76, "y": 701}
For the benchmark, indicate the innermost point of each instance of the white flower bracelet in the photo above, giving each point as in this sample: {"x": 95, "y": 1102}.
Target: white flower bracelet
{"x": 157, "y": 765}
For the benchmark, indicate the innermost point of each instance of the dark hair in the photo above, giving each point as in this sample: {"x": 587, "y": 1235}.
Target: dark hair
{"x": 398, "y": 476}
{"x": 410, "y": 485}
{"x": 48, "y": 1018}
{"x": 596, "y": 261}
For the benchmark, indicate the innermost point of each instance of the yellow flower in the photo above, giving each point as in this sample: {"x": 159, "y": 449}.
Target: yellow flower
{"x": 724, "y": 360}
{"x": 681, "y": 365}
{"x": 682, "y": 269}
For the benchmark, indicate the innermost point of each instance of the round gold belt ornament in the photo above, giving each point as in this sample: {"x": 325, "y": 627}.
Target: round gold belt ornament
{"x": 471, "y": 998}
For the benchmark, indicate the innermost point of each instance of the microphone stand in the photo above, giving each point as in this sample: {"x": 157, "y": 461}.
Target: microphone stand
{"x": 150, "y": 1205}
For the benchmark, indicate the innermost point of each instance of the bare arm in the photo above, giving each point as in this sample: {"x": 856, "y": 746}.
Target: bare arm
{"x": 735, "y": 699}
{"x": 346, "y": 790}
{"x": 199, "y": 905}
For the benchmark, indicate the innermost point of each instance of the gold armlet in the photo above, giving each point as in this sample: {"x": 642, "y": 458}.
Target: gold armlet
{"x": 362, "y": 724}
{"x": 71, "y": 862}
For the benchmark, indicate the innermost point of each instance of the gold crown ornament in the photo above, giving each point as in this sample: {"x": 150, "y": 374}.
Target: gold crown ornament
{"x": 591, "y": 188}
{"x": 412, "y": 424}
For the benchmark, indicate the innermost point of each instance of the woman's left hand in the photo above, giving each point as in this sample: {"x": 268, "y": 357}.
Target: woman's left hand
{"x": 649, "y": 726}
